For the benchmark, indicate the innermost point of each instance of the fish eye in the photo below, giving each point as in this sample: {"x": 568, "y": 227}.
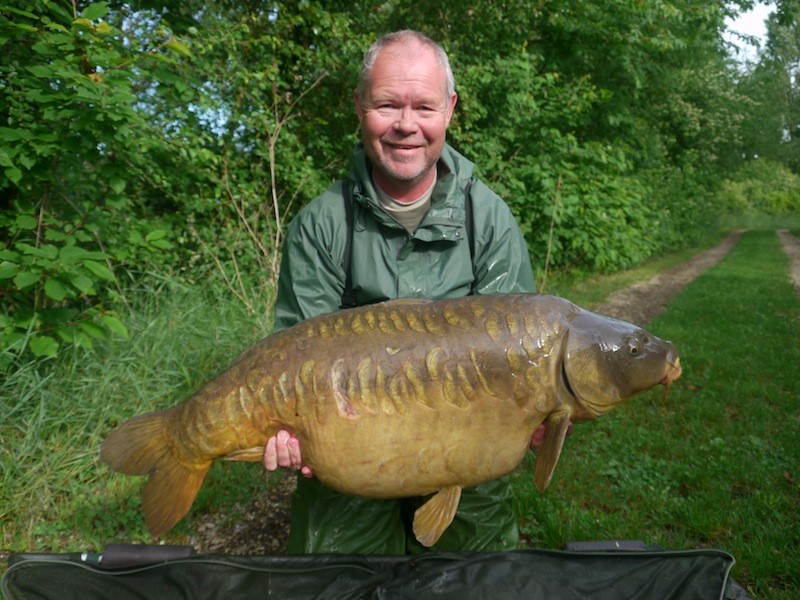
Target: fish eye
{"x": 633, "y": 347}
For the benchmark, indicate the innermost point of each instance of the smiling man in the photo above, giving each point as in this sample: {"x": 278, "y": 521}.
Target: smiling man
{"x": 410, "y": 239}
{"x": 405, "y": 103}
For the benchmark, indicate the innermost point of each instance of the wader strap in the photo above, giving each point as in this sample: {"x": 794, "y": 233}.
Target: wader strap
{"x": 348, "y": 296}
{"x": 469, "y": 226}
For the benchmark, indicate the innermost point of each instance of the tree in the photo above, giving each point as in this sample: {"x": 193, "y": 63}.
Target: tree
{"x": 70, "y": 137}
{"x": 779, "y": 68}
{"x": 135, "y": 139}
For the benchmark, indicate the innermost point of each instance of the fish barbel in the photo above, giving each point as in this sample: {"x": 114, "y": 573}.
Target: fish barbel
{"x": 395, "y": 399}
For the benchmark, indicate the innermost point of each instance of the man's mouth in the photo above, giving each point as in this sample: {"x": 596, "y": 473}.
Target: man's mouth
{"x": 401, "y": 146}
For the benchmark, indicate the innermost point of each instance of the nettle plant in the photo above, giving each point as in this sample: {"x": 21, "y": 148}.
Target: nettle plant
{"x": 70, "y": 138}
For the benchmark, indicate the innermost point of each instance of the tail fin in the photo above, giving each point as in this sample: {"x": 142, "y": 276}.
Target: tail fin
{"x": 140, "y": 447}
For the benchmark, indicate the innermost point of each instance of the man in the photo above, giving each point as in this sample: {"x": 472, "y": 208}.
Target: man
{"x": 409, "y": 240}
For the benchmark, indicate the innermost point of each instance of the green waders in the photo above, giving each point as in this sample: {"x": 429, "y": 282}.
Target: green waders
{"x": 325, "y": 521}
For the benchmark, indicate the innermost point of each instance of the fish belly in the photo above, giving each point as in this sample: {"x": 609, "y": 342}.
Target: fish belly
{"x": 393, "y": 456}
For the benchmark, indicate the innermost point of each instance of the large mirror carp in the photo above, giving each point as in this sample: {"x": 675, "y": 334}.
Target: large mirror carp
{"x": 402, "y": 398}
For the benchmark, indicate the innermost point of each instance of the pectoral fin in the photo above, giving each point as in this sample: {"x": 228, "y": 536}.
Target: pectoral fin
{"x": 255, "y": 454}
{"x": 433, "y": 517}
{"x": 557, "y": 427}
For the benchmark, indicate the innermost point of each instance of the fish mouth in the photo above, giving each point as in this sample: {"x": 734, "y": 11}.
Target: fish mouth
{"x": 674, "y": 371}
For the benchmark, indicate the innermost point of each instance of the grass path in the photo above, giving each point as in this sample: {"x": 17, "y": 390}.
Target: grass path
{"x": 717, "y": 464}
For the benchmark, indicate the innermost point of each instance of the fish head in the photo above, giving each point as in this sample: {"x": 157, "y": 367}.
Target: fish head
{"x": 607, "y": 361}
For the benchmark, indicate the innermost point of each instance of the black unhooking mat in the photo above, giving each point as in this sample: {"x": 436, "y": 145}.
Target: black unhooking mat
{"x": 684, "y": 575}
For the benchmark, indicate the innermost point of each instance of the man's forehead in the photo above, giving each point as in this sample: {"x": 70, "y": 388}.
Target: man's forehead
{"x": 428, "y": 92}
{"x": 419, "y": 69}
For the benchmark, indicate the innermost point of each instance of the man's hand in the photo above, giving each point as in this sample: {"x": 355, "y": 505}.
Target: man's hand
{"x": 538, "y": 436}
{"x": 283, "y": 450}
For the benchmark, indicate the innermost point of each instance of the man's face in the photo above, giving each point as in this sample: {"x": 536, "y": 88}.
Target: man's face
{"x": 404, "y": 116}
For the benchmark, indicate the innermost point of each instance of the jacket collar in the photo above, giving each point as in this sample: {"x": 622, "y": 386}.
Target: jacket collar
{"x": 445, "y": 218}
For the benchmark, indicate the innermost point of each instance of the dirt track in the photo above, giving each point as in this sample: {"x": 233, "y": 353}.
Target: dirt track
{"x": 791, "y": 246}
{"x": 643, "y": 301}
{"x": 263, "y": 527}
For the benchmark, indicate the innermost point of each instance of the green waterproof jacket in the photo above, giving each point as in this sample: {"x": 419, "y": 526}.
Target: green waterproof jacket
{"x": 387, "y": 262}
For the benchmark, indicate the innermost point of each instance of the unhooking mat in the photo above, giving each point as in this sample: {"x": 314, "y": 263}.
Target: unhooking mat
{"x": 540, "y": 574}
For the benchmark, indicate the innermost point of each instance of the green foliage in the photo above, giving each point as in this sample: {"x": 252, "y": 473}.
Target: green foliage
{"x": 762, "y": 187}
{"x": 70, "y": 132}
{"x": 773, "y": 125}
{"x": 143, "y": 137}
{"x": 620, "y": 116}
{"x": 62, "y": 280}
{"x": 523, "y": 120}
{"x": 53, "y": 492}
{"x": 265, "y": 93}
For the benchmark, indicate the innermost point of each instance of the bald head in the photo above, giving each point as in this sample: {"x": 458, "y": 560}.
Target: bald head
{"x": 406, "y": 43}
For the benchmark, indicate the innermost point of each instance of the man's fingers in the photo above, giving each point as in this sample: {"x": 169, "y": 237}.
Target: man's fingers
{"x": 270, "y": 454}
{"x": 282, "y": 449}
{"x": 538, "y": 437}
{"x": 295, "y": 458}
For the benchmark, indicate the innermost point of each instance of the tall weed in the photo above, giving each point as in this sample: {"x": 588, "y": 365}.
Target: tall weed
{"x": 52, "y": 486}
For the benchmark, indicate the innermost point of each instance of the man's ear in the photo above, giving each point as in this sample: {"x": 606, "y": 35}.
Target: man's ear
{"x": 452, "y": 107}
{"x": 359, "y": 105}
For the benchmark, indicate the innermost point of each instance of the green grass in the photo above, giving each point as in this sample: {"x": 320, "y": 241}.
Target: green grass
{"x": 717, "y": 463}
{"x": 54, "y": 493}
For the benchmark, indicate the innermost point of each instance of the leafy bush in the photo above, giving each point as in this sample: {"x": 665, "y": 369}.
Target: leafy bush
{"x": 762, "y": 187}
{"x": 70, "y": 137}
{"x": 177, "y": 139}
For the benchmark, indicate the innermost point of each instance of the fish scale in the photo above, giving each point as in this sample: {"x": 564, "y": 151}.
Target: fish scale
{"x": 402, "y": 398}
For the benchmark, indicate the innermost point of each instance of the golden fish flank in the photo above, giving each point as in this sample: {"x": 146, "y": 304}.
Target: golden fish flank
{"x": 457, "y": 319}
{"x": 419, "y": 379}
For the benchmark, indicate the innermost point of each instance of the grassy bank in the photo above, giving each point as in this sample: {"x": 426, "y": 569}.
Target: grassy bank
{"x": 717, "y": 463}
{"x": 54, "y": 494}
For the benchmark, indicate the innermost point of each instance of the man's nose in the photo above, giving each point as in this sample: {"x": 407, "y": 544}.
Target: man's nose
{"x": 406, "y": 120}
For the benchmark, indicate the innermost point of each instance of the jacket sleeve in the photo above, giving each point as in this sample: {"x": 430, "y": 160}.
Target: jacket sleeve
{"x": 311, "y": 278}
{"x": 502, "y": 263}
